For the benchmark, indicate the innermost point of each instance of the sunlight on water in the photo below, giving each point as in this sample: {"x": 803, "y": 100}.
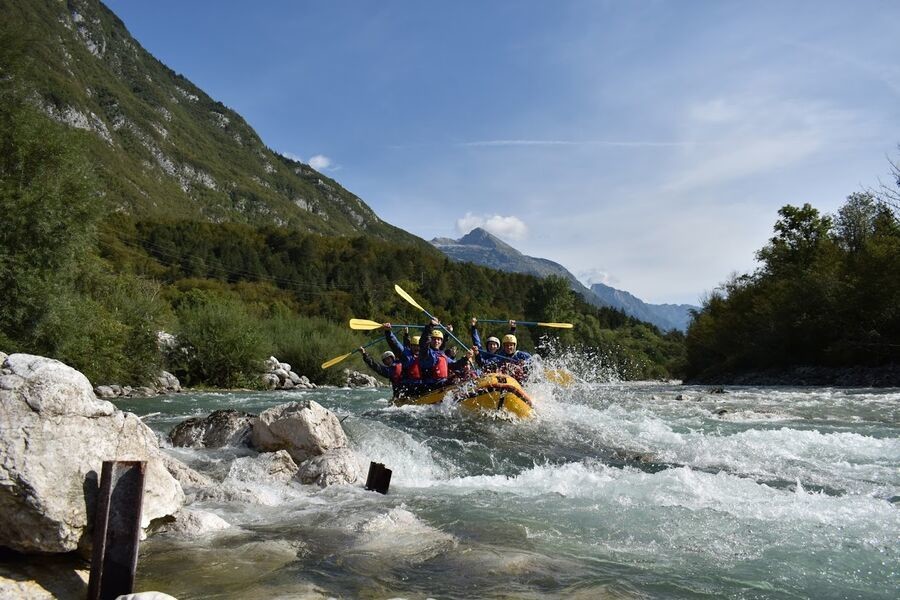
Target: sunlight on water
{"x": 613, "y": 490}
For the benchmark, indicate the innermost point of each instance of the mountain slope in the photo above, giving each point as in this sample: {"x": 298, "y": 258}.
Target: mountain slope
{"x": 480, "y": 247}
{"x": 664, "y": 316}
{"x": 163, "y": 147}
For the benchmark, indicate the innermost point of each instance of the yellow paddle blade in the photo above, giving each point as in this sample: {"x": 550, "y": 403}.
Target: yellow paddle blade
{"x": 557, "y": 325}
{"x": 407, "y": 297}
{"x": 559, "y": 376}
{"x": 335, "y": 360}
{"x": 364, "y": 324}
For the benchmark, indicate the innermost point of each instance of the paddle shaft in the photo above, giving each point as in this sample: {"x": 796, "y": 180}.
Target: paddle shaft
{"x": 369, "y": 325}
{"x": 338, "y": 359}
{"x": 403, "y": 294}
{"x": 562, "y": 325}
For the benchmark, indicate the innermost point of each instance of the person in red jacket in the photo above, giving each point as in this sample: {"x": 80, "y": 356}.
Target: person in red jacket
{"x": 434, "y": 364}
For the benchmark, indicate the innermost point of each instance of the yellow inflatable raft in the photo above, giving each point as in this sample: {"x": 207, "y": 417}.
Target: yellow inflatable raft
{"x": 492, "y": 391}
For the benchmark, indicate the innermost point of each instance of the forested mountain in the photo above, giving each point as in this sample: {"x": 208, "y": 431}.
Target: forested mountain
{"x": 163, "y": 147}
{"x": 664, "y": 316}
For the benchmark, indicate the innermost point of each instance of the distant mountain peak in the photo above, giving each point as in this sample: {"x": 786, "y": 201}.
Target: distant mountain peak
{"x": 482, "y": 248}
{"x": 480, "y": 237}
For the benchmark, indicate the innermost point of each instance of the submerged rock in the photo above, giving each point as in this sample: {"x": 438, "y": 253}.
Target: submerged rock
{"x": 265, "y": 468}
{"x": 190, "y": 523}
{"x": 54, "y": 436}
{"x": 193, "y": 483}
{"x": 220, "y": 428}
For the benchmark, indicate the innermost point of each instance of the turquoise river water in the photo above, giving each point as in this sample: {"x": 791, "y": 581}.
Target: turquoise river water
{"x": 614, "y": 490}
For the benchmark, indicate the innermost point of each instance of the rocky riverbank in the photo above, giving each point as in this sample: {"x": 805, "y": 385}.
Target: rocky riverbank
{"x": 55, "y": 434}
{"x": 879, "y": 377}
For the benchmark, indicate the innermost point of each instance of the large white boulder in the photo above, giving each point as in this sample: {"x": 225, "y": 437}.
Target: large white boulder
{"x": 54, "y": 436}
{"x": 305, "y": 429}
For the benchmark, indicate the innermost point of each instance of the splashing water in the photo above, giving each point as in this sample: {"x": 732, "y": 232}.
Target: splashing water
{"x": 613, "y": 490}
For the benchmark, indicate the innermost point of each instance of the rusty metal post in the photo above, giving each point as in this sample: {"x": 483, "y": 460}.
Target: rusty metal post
{"x": 379, "y": 478}
{"x": 117, "y": 529}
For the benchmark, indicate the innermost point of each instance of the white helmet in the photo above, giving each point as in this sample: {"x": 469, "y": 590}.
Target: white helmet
{"x": 387, "y": 354}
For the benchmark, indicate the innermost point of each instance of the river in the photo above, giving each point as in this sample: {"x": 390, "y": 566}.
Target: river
{"x": 614, "y": 490}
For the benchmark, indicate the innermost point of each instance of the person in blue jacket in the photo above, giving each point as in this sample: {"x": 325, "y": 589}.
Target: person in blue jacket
{"x": 488, "y": 358}
{"x": 408, "y": 357}
{"x": 434, "y": 364}
{"x": 516, "y": 361}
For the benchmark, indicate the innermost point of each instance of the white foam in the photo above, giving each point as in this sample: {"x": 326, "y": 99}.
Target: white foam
{"x": 410, "y": 460}
{"x": 686, "y": 488}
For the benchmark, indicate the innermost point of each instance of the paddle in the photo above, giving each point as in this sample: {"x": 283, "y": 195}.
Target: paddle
{"x": 367, "y": 325}
{"x": 556, "y": 325}
{"x": 337, "y": 359}
{"x": 409, "y": 299}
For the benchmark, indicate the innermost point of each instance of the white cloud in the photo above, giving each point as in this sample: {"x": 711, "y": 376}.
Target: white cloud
{"x": 509, "y": 228}
{"x": 718, "y": 110}
{"x": 746, "y": 135}
{"x": 593, "y": 275}
{"x": 320, "y": 162}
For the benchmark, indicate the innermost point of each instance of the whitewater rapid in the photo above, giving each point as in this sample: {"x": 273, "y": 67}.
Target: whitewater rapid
{"x": 614, "y": 489}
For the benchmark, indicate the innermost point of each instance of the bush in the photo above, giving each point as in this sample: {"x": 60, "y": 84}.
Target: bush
{"x": 219, "y": 342}
{"x": 306, "y": 342}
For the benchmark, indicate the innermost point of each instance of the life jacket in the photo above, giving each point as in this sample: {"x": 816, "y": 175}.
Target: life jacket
{"x": 396, "y": 372}
{"x": 412, "y": 371}
{"x": 440, "y": 369}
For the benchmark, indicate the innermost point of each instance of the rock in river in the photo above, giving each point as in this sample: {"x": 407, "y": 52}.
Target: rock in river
{"x": 54, "y": 436}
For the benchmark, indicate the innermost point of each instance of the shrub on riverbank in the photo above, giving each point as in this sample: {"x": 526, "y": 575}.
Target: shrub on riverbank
{"x": 57, "y": 298}
{"x": 306, "y": 342}
{"x": 219, "y": 342}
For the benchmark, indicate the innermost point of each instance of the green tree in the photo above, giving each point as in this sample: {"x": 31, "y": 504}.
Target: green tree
{"x": 50, "y": 209}
{"x": 799, "y": 234}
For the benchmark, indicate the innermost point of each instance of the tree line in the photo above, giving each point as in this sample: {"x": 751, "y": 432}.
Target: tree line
{"x": 826, "y": 293}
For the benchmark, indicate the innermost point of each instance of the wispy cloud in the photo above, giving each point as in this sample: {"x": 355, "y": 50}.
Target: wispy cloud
{"x": 752, "y": 135}
{"x": 745, "y": 158}
{"x": 320, "y": 162}
{"x": 509, "y": 228}
{"x": 889, "y": 75}
{"x": 616, "y": 144}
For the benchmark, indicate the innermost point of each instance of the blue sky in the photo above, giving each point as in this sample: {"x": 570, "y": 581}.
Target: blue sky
{"x": 645, "y": 144}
